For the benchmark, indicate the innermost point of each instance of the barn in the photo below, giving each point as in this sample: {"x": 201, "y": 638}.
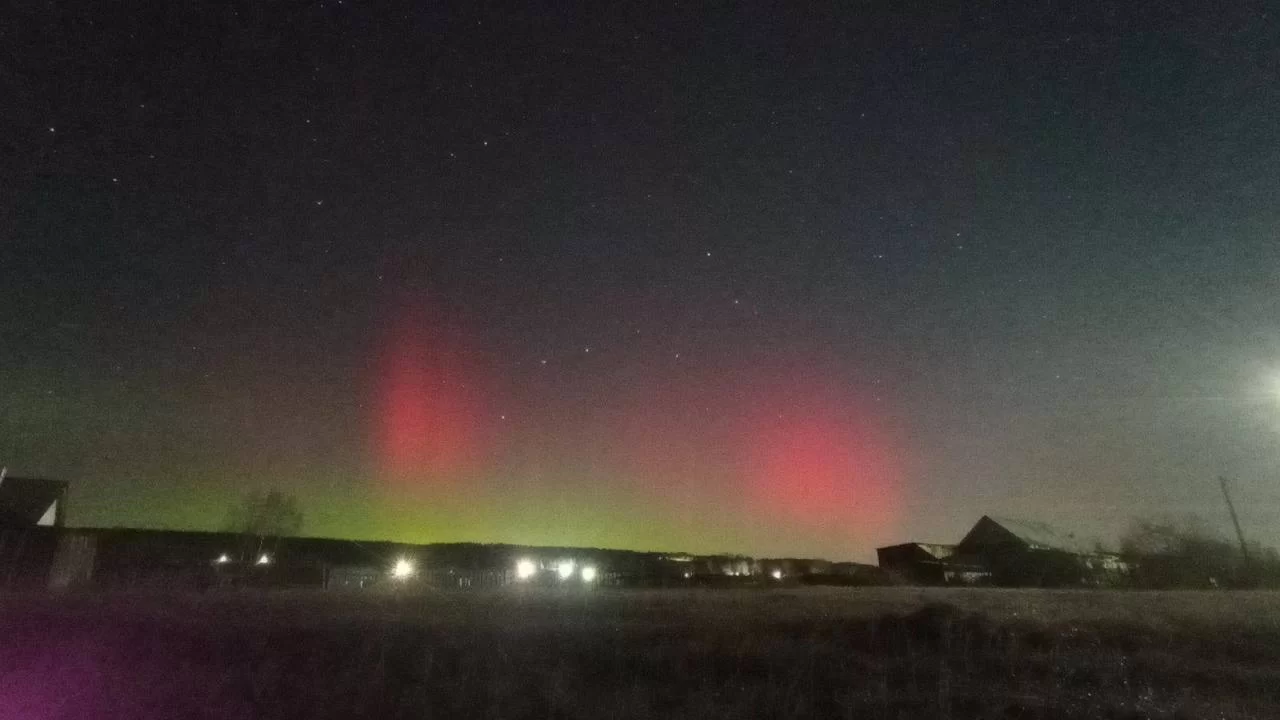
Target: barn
{"x": 915, "y": 562}
{"x": 921, "y": 563}
{"x": 1028, "y": 552}
{"x": 1005, "y": 551}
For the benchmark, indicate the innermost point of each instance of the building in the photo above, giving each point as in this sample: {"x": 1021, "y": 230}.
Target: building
{"x": 915, "y": 562}
{"x": 921, "y": 563}
{"x": 1028, "y": 552}
{"x": 31, "y": 502}
{"x": 31, "y": 519}
{"x": 1005, "y": 551}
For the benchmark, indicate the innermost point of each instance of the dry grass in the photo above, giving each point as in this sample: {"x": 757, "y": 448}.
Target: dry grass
{"x": 841, "y": 653}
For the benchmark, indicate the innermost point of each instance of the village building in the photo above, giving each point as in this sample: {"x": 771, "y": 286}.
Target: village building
{"x": 1005, "y": 551}
{"x": 31, "y": 502}
{"x": 1027, "y": 552}
{"x": 32, "y": 511}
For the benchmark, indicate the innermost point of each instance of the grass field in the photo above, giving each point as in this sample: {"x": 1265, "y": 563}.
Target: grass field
{"x": 838, "y": 653}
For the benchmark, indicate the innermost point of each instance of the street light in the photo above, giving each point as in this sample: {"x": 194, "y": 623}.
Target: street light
{"x": 403, "y": 569}
{"x": 526, "y": 569}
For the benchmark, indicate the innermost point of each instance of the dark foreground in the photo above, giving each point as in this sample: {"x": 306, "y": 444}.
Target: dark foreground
{"x": 847, "y": 653}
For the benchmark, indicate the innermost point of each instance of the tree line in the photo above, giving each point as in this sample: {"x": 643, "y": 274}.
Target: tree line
{"x": 1186, "y": 553}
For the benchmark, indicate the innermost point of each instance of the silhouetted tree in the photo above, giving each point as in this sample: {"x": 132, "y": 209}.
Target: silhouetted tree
{"x": 264, "y": 517}
{"x": 1181, "y": 553}
{"x": 1265, "y": 564}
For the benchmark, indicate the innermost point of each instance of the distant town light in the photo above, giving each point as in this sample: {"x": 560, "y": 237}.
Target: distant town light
{"x": 588, "y": 574}
{"x": 565, "y": 569}
{"x": 223, "y": 559}
{"x": 403, "y": 569}
{"x": 526, "y": 569}
{"x": 776, "y": 574}
{"x": 263, "y": 559}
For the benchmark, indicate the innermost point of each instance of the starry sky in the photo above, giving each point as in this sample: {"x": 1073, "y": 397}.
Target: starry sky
{"x": 706, "y": 276}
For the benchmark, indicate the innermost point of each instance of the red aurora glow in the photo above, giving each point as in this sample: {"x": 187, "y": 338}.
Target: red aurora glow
{"x": 429, "y": 405}
{"x": 821, "y": 463}
{"x": 790, "y": 452}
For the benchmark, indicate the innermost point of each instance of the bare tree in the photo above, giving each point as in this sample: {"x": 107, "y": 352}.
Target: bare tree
{"x": 265, "y": 517}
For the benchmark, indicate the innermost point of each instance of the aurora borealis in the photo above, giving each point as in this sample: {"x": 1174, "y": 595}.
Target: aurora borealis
{"x": 709, "y": 278}
{"x": 789, "y": 447}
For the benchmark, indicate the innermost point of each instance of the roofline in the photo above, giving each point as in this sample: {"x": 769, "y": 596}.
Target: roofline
{"x": 914, "y": 543}
{"x": 52, "y": 481}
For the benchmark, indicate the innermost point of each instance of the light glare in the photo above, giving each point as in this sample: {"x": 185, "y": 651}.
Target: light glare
{"x": 526, "y": 569}
{"x": 565, "y": 569}
{"x": 263, "y": 559}
{"x": 588, "y": 574}
{"x": 403, "y": 569}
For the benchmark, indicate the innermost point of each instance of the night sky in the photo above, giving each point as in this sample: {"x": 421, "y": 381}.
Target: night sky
{"x": 693, "y": 276}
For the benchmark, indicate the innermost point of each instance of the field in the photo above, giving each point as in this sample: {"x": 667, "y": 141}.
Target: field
{"x": 797, "y": 653}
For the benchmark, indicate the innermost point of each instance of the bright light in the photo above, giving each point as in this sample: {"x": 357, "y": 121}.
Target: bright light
{"x": 526, "y": 569}
{"x": 223, "y": 559}
{"x": 588, "y": 574}
{"x": 263, "y": 559}
{"x": 776, "y": 574}
{"x": 565, "y": 569}
{"x": 403, "y": 569}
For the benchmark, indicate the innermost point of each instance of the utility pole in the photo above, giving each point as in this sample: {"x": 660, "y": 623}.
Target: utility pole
{"x": 1235, "y": 520}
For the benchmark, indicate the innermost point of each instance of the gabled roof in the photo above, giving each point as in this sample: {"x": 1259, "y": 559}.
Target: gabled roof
{"x": 1040, "y": 536}
{"x": 27, "y": 501}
